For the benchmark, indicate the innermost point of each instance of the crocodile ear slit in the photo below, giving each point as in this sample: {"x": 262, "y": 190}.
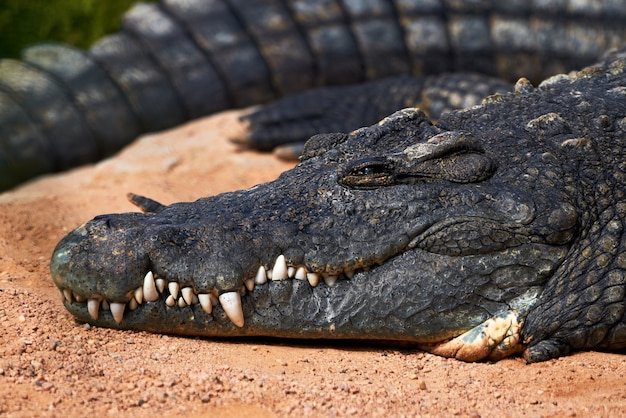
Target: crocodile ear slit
{"x": 452, "y": 156}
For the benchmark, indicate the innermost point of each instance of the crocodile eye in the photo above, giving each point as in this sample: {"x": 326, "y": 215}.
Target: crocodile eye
{"x": 370, "y": 170}
{"x": 367, "y": 174}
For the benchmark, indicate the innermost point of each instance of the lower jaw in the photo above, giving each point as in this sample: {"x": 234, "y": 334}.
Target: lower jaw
{"x": 395, "y": 301}
{"x": 284, "y": 309}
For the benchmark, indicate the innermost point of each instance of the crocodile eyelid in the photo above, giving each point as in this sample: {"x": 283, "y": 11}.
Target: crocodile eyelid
{"x": 441, "y": 145}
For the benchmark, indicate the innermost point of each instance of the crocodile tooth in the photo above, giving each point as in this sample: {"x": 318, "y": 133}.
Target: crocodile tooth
{"x": 170, "y": 301}
{"x": 279, "y": 272}
{"x": 349, "y": 273}
{"x": 105, "y": 305}
{"x": 78, "y": 297}
{"x": 93, "y": 306}
{"x": 313, "y": 278}
{"x": 173, "y": 287}
{"x": 261, "y": 276}
{"x": 330, "y": 280}
{"x": 149, "y": 288}
{"x": 117, "y": 309}
{"x": 160, "y": 284}
{"x": 139, "y": 295}
{"x": 181, "y": 302}
{"x": 67, "y": 293}
{"x": 291, "y": 271}
{"x": 132, "y": 304}
{"x": 205, "y": 302}
{"x": 187, "y": 293}
{"x": 249, "y": 283}
{"x": 300, "y": 273}
{"x": 231, "y": 303}
{"x": 213, "y": 298}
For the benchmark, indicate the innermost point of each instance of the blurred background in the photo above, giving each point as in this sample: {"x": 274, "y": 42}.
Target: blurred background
{"x": 80, "y": 23}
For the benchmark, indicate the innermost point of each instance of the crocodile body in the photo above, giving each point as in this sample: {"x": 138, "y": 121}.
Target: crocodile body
{"x": 181, "y": 59}
{"x": 498, "y": 230}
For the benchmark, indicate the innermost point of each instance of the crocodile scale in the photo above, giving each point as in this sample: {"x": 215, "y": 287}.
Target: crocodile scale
{"x": 178, "y": 60}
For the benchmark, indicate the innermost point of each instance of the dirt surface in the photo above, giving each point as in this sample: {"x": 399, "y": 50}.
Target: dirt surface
{"x": 52, "y": 366}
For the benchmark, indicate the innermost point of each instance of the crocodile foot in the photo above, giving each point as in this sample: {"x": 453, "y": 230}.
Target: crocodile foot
{"x": 494, "y": 339}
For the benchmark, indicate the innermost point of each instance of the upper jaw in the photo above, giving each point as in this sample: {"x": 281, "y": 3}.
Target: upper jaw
{"x": 174, "y": 279}
{"x": 110, "y": 265}
{"x": 202, "y": 247}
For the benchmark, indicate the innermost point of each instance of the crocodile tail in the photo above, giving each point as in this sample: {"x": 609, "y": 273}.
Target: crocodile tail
{"x": 181, "y": 59}
{"x": 172, "y": 61}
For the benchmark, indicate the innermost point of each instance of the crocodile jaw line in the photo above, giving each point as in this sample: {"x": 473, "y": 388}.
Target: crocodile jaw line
{"x": 158, "y": 290}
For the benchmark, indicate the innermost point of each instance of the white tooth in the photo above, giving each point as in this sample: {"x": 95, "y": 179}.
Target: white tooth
{"x": 187, "y": 294}
{"x": 67, "y": 293}
{"x": 279, "y": 272}
{"x": 149, "y": 288}
{"x": 181, "y": 302}
{"x": 133, "y": 304}
{"x": 213, "y": 299}
{"x": 269, "y": 274}
{"x": 205, "y": 302}
{"x": 173, "y": 287}
{"x": 117, "y": 309}
{"x": 93, "y": 306}
{"x": 78, "y": 297}
{"x": 313, "y": 278}
{"x": 291, "y": 271}
{"x": 170, "y": 301}
{"x": 105, "y": 305}
{"x": 160, "y": 284}
{"x": 349, "y": 274}
{"x": 330, "y": 280}
{"x": 249, "y": 283}
{"x": 300, "y": 273}
{"x": 231, "y": 303}
{"x": 139, "y": 295}
{"x": 261, "y": 276}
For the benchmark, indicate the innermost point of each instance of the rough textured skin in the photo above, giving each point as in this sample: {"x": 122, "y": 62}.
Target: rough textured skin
{"x": 498, "y": 230}
{"x": 180, "y": 59}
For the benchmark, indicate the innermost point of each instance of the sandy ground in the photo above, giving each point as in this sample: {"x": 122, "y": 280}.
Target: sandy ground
{"x": 52, "y": 366}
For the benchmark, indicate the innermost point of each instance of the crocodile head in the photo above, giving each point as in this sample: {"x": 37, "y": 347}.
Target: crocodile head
{"x": 400, "y": 231}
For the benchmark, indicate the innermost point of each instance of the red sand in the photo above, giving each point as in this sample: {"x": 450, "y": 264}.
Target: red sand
{"x": 52, "y": 366}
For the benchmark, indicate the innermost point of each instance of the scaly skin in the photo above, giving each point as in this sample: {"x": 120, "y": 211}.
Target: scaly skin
{"x": 498, "y": 230}
{"x": 182, "y": 59}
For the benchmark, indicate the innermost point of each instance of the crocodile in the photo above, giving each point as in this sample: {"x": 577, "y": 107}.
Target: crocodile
{"x": 182, "y": 59}
{"x": 497, "y": 231}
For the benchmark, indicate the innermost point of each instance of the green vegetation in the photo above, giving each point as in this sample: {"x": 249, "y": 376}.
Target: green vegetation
{"x": 76, "y": 22}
